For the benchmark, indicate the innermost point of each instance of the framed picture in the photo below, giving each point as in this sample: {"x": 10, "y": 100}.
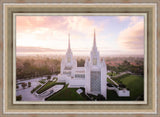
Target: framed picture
{"x": 80, "y": 58}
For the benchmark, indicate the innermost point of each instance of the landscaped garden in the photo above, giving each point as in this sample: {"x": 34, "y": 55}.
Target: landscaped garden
{"x": 43, "y": 81}
{"x": 33, "y": 90}
{"x": 48, "y": 85}
{"x": 67, "y": 94}
{"x": 134, "y": 83}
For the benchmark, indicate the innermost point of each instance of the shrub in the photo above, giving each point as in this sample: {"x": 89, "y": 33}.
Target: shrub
{"x": 100, "y": 97}
{"x": 48, "y": 77}
{"x": 122, "y": 86}
{"x": 55, "y": 78}
{"x": 19, "y": 97}
{"x": 35, "y": 88}
{"x": 48, "y": 85}
{"x": 43, "y": 81}
{"x": 24, "y": 85}
{"x": 17, "y": 87}
{"x": 29, "y": 84}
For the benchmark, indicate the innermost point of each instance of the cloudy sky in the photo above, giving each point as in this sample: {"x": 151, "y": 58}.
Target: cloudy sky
{"x": 115, "y": 35}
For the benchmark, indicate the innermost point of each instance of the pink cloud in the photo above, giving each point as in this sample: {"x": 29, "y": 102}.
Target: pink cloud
{"x": 62, "y": 23}
{"x": 132, "y": 19}
{"x": 122, "y": 18}
{"x": 27, "y": 23}
{"x": 52, "y": 31}
{"x": 132, "y": 37}
{"x": 78, "y": 23}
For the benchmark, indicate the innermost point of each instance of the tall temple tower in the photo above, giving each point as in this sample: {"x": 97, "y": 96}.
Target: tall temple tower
{"x": 68, "y": 63}
{"x": 93, "y": 76}
{"x": 94, "y": 55}
{"x": 96, "y": 72}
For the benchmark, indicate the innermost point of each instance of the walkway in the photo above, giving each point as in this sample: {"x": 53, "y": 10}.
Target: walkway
{"x": 112, "y": 80}
{"x": 121, "y": 74}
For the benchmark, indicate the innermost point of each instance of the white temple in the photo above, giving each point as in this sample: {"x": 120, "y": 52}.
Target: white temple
{"x": 93, "y": 76}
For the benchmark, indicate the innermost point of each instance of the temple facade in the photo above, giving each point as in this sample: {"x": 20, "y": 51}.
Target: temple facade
{"x": 93, "y": 76}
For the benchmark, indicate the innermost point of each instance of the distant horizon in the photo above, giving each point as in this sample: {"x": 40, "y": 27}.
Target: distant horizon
{"x": 48, "y": 51}
{"x": 76, "y": 56}
{"x": 48, "y": 35}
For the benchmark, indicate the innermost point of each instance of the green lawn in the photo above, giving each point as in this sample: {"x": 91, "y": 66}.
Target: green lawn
{"x": 134, "y": 83}
{"x": 111, "y": 73}
{"x": 35, "y": 88}
{"x": 66, "y": 94}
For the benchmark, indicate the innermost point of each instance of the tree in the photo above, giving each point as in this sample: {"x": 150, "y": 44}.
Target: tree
{"x": 122, "y": 85}
{"x": 17, "y": 86}
{"x": 80, "y": 63}
{"x": 48, "y": 77}
{"x": 24, "y": 85}
{"x": 29, "y": 84}
{"x": 37, "y": 66}
{"x": 100, "y": 97}
{"x": 19, "y": 97}
{"x": 125, "y": 62}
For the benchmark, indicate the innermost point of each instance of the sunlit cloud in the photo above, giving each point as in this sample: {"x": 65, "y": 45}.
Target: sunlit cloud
{"x": 50, "y": 33}
{"x": 123, "y": 18}
{"x": 132, "y": 19}
{"x": 132, "y": 38}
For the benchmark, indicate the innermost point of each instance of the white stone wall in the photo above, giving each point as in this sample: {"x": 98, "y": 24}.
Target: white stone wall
{"x": 123, "y": 93}
{"x": 76, "y": 83}
{"x": 87, "y": 77}
{"x": 62, "y": 66}
{"x": 112, "y": 88}
{"x": 104, "y": 79}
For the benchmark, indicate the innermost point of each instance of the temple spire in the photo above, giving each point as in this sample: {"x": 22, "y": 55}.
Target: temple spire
{"x": 94, "y": 42}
